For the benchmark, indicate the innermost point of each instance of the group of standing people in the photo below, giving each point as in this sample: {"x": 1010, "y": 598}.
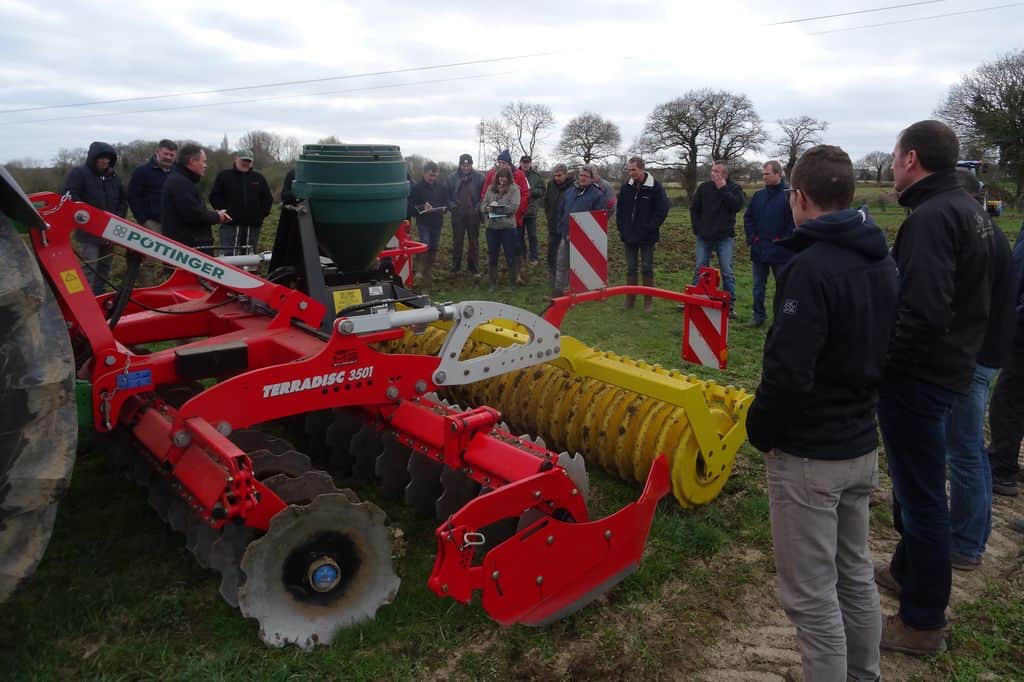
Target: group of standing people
{"x": 164, "y": 196}
{"x": 506, "y": 201}
{"x": 907, "y": 340}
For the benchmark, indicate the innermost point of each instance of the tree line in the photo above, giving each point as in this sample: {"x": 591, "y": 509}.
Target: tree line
{"x": 681, "y": 137}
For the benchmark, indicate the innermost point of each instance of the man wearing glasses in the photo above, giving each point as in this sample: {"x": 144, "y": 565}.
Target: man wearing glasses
{"x": 246, "y": 196}
{"x": 814, "y": 417}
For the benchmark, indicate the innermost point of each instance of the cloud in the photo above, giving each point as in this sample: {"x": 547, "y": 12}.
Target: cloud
{"x": 616, "y": 60}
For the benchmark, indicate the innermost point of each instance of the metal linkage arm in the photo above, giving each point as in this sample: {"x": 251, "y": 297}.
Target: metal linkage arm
{"x": 542, "y": 343}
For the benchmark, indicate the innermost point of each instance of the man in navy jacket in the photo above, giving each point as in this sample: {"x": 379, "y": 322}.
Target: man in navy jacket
{"x": 147, "y": 184}
{"x": 768, "y": 220}
{"x": 641, "y": 209}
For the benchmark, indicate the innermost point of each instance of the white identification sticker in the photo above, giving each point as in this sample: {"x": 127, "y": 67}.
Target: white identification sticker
{"x": 167, "y": 251}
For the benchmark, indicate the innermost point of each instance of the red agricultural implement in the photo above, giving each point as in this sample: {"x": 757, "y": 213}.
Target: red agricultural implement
{"x": 185, "y": 377}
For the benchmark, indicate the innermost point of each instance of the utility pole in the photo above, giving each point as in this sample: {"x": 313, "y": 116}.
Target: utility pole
{"x": 480, "y": 147}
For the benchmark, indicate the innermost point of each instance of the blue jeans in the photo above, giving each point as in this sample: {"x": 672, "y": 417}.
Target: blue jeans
{"x": 912, "y": 415}
{"x": 970, "y": 477}
{"x": 507, "y": 239}
{"x": 238, "y": 239}
{"x": 761, "y": 286}
{"x": 430, "y": 235}
{"x": 529, "y": 234}
{"x": 723, "y": 248}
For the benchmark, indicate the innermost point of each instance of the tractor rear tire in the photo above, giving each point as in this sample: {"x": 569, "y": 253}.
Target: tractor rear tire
{"x": 38, "y": 428}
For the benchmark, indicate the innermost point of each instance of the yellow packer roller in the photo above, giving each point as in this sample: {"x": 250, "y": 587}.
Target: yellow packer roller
{"x": 616, "y": 411}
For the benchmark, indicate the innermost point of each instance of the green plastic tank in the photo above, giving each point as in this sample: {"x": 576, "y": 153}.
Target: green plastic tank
{"x": 357, "y": 196}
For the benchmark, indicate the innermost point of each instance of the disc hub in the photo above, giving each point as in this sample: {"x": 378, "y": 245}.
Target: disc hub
{"x": 324, "y": 574}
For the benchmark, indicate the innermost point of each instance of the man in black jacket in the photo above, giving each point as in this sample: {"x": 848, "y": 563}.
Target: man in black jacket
{"x": 244, "y": 193}
{"x": 641, "y": 209}
{"x": 814, "y": 417}
{"x": 713, "y": 217}
{"x": 561, "y": 180}
{"x": 183, "y": 214}
{"x": 96, "y": 184}
{"x": 147, "y": 184}
{"x": 943, "y": 250}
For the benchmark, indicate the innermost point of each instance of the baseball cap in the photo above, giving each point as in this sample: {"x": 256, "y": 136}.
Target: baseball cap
{"x": 244, "y": 154}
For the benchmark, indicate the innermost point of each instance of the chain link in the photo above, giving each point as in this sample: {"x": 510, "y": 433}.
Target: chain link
{"x": 51, "y": 211}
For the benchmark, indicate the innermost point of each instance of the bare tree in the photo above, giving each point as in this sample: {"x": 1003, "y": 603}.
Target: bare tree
{"x": 589, "y": 137}
{"x": 290, "y": 149}
{"x": 498, "y": 136}
{"x": 330, "y": 139}
{"x": 798, "y": 135}
{"x": 986, "y": 108}
{"x": 66, "y": 158}
{"x": 877, "y": 161}
{"x": 528, "y": 122}
{"x": 734, "y": 127}
{"x": 265, "y": 146}
{"x": 677, "y": 127}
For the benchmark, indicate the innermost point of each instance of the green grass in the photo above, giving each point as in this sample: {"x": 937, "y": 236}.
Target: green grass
{"x": 119, "y": 597}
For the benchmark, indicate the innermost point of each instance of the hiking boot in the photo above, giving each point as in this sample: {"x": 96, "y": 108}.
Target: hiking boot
{"x": 885, "y": 579}
{"x": 962, "y": 562}
{"x": 755, "y": 323}
{"x": 1006, "y": 487}
{"x": 897, "y": 636}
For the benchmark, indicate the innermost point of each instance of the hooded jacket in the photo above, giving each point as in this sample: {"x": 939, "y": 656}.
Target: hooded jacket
{"x": 246, "y": 196}
{"x": 943, "y": 250}
{"x": 641, "y": 209}
{"x": 824, "y": 355}
{"x": 579, "y": 199}
{"x": 183, "y": 215}
{"x": 144, "y": 190}
{"x": 768, "y": 220}
{"x": 713, "y": 211}
{"x": 102, "y": 190}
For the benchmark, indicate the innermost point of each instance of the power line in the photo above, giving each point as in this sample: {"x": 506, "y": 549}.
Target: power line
{"x": 257, "y": 99}
{"x": 909, "y": 21}
{"x": 860, "y": 11}
{"x": 258, "y": 86}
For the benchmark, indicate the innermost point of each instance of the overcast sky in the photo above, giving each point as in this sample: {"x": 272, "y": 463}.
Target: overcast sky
{"x": 618, "y": 59}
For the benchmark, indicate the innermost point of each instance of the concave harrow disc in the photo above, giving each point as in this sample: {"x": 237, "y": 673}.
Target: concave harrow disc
{"x": 318, "y": 568}
{"x": 622, "y": 429}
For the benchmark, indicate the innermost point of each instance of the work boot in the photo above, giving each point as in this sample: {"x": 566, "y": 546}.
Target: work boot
{"x": 885, "y": 579}
{"x": 630, "y": 298}
{"x": 1005, "y": 487}
{"x": 648, "y": 300}
{"x": 426, "y": 269}
{"x": 962, "y": 562}
{"x": 898, "y": 636}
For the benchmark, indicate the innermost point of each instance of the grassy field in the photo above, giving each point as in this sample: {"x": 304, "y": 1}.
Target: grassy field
{"x": 118, "y": 597}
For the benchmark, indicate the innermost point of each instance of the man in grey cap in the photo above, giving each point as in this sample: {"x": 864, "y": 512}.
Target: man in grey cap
{"x": 464, "y": 188}
{"x": 246, "y": 196}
